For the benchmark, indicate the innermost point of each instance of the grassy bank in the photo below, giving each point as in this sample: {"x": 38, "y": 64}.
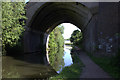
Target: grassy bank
{"x": 70, "y": 72}
{"x": 108, "y": 65}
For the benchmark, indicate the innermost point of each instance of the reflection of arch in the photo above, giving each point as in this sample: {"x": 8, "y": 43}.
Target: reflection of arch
{"x": 44, "y": 17}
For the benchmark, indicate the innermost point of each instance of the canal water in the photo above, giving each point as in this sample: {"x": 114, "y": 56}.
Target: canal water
{"x": 67, "y": 58}
{"x": 17, "y": 67}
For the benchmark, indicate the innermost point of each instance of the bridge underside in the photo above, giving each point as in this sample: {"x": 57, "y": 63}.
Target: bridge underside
{"x": 92, "y": 18}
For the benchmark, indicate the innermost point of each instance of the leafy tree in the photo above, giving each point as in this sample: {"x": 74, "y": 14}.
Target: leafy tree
{"x": 52, "y": 42}
{"x": 56, "y": 39}
{"x": 58, "y": 36}
{"x": 56, "y": 45}
{"x": 12, "y": 22}
{"x": 61, "y": 28}
{"x": 76, "y": 37}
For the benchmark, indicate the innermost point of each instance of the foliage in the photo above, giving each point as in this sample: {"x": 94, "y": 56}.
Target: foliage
{"x": 52, "y": 43}
{"x": 16, "y": 48}
{"x": 56, "y": 58}
{"x": 108, "y": 64}
{"x": 12, "y": 22}
{"x": 115, "y": 61}
{"x": 56, "y": 45}
{"x": 76, "y": 37}
{"x": 56, "y": 39}
{"x": 70, "y": 72}
{"x": 61, "y": 28}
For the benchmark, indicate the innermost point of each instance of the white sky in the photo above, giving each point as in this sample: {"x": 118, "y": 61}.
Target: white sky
{"x": 68, "y": 29}
{"x": 26, "y": 0}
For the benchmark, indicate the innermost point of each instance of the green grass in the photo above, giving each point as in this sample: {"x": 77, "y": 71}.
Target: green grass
{"x": 70, "y": 72}
{"x": 107, "y": 64}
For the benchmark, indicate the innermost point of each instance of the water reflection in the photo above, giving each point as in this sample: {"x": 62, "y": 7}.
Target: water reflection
{"x": 14, "y": 67}
{"x": 56, "y": 58}
{"x": 67, "y": 57}
{"x": 60, "y": 58}
{"x": 20, "y": 67}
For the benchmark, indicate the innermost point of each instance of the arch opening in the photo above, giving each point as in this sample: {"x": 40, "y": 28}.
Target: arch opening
{"x": 47, "y": 16}
{"x": 59, "y": 45}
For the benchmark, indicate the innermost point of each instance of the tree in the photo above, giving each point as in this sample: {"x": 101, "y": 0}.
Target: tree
{"x": 61, "y": 28}
{"x": 56, "y": 45}
{"x": 12, "y": 22}
{"x": 56, "y": 38}
{"x": 52, "y": 42}
{"x": 76, "y": 37}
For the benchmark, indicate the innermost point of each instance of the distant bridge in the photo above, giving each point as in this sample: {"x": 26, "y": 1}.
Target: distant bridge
{"x": 67, "y": 47}
{"x": 67, "y": 42}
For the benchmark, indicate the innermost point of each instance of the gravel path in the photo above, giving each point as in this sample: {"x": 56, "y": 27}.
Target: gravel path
{"x": 91, "y": 70}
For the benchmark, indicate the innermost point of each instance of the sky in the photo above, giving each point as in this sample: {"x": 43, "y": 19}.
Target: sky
{"x": 68, "y": 29}
{"x": 26, "y": 0}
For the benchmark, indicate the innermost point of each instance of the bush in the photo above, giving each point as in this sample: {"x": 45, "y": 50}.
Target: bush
{"x": 16, "y": 49}
{"x": 12, "y": 23}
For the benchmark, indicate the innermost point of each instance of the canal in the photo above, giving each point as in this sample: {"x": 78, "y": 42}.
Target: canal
{"x": 18, "y": 67}
{"x": 62, "y": 58}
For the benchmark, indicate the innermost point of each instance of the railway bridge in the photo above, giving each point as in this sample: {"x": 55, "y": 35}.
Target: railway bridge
{"x": 98, "y": 21}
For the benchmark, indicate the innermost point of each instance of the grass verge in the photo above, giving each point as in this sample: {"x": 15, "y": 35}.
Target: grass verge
{"x": 70, "y": 72}
{"x": 108, "y": 65}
